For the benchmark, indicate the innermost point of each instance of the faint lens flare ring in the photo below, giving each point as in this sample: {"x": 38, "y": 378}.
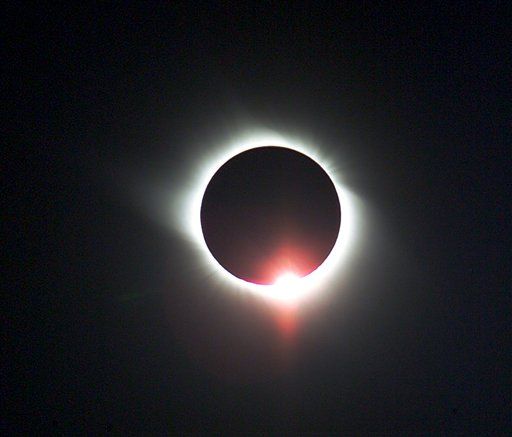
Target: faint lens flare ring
{"x": 305, "y": 286}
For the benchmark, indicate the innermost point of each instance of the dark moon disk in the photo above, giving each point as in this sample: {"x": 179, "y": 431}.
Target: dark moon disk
{"x": 269, "y": 211}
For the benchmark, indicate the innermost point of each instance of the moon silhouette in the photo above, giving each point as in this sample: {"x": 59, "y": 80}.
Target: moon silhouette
{"x": 268, "y": 212}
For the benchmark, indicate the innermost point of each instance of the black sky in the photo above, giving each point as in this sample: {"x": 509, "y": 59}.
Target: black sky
{"x": 110, "y": 324}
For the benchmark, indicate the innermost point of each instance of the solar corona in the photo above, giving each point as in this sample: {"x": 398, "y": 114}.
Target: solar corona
{"x": 270, "y": 218}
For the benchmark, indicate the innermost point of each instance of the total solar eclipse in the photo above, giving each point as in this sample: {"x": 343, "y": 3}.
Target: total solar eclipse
{"x": 270, "y": 211}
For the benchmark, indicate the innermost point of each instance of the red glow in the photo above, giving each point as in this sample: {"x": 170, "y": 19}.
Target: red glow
{"x": 288, "y": 259}
{"x": 287, "y": 322}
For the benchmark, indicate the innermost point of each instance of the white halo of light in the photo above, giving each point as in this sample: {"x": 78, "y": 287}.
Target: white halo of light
{"x": 189, "y": 218}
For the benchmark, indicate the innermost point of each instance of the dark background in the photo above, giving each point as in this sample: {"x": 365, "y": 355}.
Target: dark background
{"x": 108, "y": 324}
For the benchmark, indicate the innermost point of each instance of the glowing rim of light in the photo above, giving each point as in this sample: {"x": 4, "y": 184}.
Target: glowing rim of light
{"x": 307, "y": 284}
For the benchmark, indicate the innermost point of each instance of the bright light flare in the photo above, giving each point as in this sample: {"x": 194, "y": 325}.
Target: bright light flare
{"x": 286, "y": 286}
{"x": 187, "y": 216}
{"x": 286, "y": 280}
